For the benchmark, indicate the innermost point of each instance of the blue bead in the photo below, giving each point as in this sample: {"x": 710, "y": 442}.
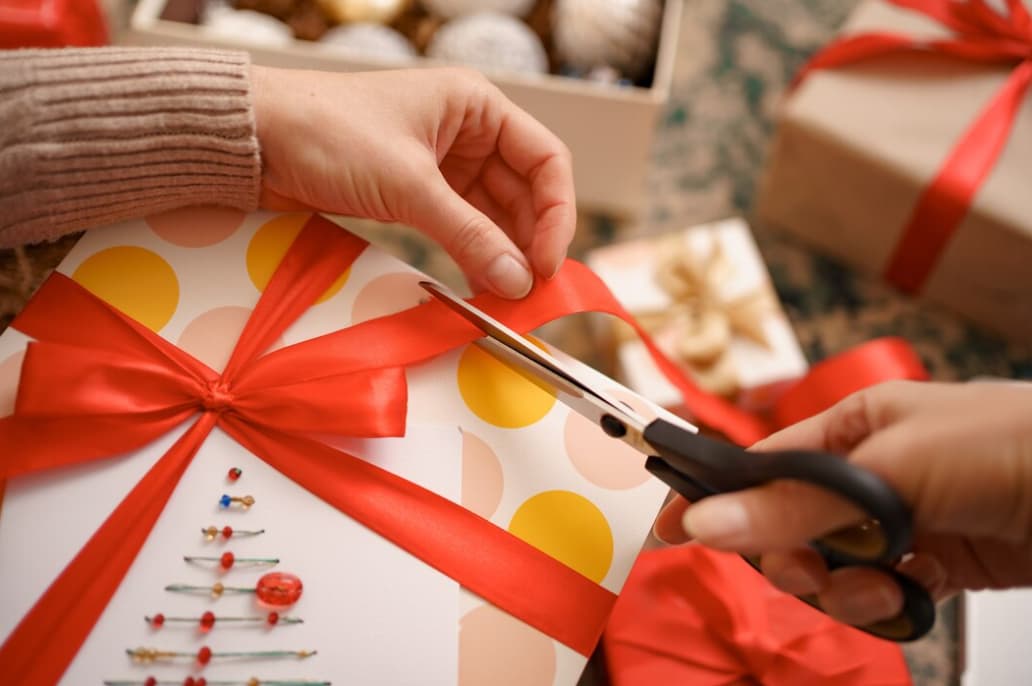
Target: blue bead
{"x": 225, "y": 501}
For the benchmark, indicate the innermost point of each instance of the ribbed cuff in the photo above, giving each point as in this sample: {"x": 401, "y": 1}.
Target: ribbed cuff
{"x": 94, "y": 136}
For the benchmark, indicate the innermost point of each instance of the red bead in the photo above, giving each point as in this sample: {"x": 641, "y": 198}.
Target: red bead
{"x": 200, "y": 681}
{"x": 273, "y": 618}
{"x": 227, "y": 531}
{"x": 157, "y": 621}
{"x": 150, "y": 681}
{"x": 279, "y": 589}
{"x": 189, "y": 681}
{"x": 207, "y": 621}
{"x": 234, "y": 474}
{"x": 204, "y": 655}
{"x": 227, "y": 560}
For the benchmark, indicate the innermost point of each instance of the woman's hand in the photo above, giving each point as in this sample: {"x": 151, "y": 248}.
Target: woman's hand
{"x": 441, "y": 150}
{"x": 959, "y": 454}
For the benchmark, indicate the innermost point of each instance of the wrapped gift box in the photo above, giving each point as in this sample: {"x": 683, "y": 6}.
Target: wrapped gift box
{"x": 706, "y": 296}
{"x": 583, "y": 114}
{"x": 51, "y": 23}
{"x": 857, "y": 145}
{"x": 476, "y": 433}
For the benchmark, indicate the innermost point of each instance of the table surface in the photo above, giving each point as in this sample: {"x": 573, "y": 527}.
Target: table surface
{"x": 735, "y": 59}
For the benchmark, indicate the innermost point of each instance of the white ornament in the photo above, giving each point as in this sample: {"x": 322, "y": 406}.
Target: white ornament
{"x": 245, "y": 25}
{"x": 379, "y": 11}
{"x": 369, "y": 40}
{"x": 450, "y": 9}
{"x": 489, "y": 41}
{"x": 618, "y": 33}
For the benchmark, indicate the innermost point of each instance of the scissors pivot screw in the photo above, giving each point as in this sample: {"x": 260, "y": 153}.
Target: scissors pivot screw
{"x": 612, "y": 426}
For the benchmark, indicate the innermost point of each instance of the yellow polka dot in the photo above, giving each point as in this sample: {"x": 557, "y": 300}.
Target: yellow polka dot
{"x": 271, "y": 242}
{"x": 568, "y": 527}
{"x": 134, "y": 280}
{"x": 500, "y": 394}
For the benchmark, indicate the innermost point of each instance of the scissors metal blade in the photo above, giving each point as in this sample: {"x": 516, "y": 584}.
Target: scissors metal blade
{"x": 572, "y": 390}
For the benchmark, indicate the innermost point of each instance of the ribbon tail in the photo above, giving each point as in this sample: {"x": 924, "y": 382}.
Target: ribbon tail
{"x": 833, "y": 379}
{"x": 947, "y": 199}
{"x": 46, "y": 640}
{"x": 504, "y": 570}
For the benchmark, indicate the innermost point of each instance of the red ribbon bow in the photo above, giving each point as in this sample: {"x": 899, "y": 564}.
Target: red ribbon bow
{"x": 981, "y": 35}
{"x": 690, "y": 615}
{"x": 96, "y": 384}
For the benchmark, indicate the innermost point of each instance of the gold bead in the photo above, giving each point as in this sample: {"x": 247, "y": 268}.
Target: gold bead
{"x": 247, "y": 501}
{"x": 210, "y": 533}
{"x": 217, "y": 589}
{"x": 253, "y": 681}
{"x": 144, "y": 655}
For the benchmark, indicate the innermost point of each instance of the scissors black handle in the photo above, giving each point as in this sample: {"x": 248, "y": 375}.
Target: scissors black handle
{"x": 697, "y": 467}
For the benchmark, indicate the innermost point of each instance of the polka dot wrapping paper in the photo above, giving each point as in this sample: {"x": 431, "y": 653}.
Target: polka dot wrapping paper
{"x": 478, "y": 434}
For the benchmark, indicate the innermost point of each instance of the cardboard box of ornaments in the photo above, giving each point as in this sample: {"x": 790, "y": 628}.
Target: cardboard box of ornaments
{"x": 596, "y": 72}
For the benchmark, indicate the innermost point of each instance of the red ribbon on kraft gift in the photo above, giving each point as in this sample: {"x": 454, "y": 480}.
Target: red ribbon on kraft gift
{"x": 981, "y": 35}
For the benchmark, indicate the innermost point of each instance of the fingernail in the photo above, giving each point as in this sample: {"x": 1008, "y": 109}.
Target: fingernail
{"x": 795, "y": 580}
{"x": 871, "y": 604}
{"x": 927, "y": 571}
{"x": 670, "y": 535}
{"x": 723, "y": 523}
{"x": 558, "y": 265}
{"x": 508, "y": 277}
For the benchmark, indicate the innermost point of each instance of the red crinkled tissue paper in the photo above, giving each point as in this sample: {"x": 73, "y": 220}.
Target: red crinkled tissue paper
{"x": 690, "y": 615}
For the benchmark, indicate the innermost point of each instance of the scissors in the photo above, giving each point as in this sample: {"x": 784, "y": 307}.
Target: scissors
{"x": 696, "y": 467}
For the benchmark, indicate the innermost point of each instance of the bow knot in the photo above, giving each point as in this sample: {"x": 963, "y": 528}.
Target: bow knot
{"x": 217, "y": 396}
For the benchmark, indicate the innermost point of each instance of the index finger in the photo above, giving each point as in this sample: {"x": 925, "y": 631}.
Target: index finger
{"x": 539, "y": 156}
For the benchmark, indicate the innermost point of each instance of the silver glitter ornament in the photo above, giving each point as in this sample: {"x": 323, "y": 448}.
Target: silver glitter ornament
{"x": 245, "y": 25}
{"x": 368, "y": 40}
{"x": 450, "y": 9}
{"x": 618, "y": 33}
{"x": 490, "y": 41}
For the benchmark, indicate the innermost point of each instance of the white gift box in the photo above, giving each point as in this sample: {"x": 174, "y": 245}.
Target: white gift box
{"x": 761, "y": 371}
{"x": 375, "y": 614}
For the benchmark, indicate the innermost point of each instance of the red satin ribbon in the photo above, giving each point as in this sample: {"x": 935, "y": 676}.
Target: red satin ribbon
{"x": 122, "y": 386}
{"x": 828, "y": 382}
{"x": 689, "y": 615}
{"x": 982, "y": 35}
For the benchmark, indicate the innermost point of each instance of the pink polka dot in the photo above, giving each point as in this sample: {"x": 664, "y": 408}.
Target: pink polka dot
{"x": 497, "y": 649}
{"x": 600, "y": 459}
{"x": 386, "y": 295}
{"x": 196, "y": 227}
{"x": 212, "y": 336}
{"x": 482, "y": 482}
{"x": 10, "y": 371}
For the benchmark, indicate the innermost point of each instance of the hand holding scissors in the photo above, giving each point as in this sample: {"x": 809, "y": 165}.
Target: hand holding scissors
{"x": 698, "y": 467}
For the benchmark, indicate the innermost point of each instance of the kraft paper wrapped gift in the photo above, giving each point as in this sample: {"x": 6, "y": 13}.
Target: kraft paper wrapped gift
{"x": 505, "y": 460}
{"x": 857, "y": 145}
{"x": 705, "y": 296}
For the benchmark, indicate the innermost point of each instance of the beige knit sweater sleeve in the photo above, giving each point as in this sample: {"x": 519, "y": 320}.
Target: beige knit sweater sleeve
{"x": 98, "y": 135}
